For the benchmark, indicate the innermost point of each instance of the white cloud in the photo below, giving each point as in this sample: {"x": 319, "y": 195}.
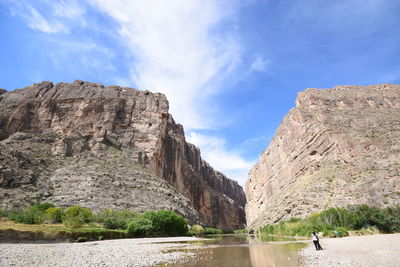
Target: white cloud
{"x": 213, "y": 150}
{"x": 256, "y": 140}
{"x": 93, "y": 56}
{"x": 53, "y": 17}
{"x": 259, "y": 64}
{"x": 179, "y": 50}
{"x": 188, "y": 50}
{"x": 68, "y": 48}
{"x": 34, "y": 19}
{"x": 67, "y": 9}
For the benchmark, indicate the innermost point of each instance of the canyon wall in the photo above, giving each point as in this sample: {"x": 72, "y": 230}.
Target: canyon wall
{"x": 337, "y": 147}
{"x": 84, "y": 143}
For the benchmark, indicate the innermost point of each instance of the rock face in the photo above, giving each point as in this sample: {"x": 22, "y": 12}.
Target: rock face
{"x": 337, "y": 147}
{"x": 83, "y": 143}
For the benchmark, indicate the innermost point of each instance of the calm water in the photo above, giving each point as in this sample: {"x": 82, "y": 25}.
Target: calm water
{"x": 243, "y": 251}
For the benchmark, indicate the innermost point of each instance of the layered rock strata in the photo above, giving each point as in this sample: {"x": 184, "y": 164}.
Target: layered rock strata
{"x": 337, "y": 147}
{"x": 127, "y": 135}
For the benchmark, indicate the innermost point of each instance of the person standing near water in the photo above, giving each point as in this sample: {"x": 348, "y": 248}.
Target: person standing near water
{"x": 315, "y": 239}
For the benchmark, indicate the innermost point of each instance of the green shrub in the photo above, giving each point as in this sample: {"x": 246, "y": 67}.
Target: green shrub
{"x": 140, "y": 227}
{"x": 13, "y": 214}
{"x": 112, "y": 223}
{"x": 336, "y": 222}
{"x": 44, "y": 206}
{"x": 167, "y": 223}
{"x": 82, "y": 213}
{"x": 3, "y": 213}
{"x": 366, "y": 216}
{"x": 116, "y": 219}
{"x": 328, "y": 233}
{"x": 337, "y": 232}
{"x": 241, "y": 231}
{"x": 197, "y": 229}
{"x": 158, "y": 223}
{"x": 34, "y": 214}
{"x": 267, "y": 229}
{"x": 81, "y": 239}
{"x": 27, "y": 217}
{"x": 54, "y": 215}
{"x": 190, "y": 233}
{"x": 338, "y": 217}
{"x": 390, "y": 221}
{"x": 74, "y": 222}
{"x": 213, "y": 231}
{"x": 341, "y": 232}
{"x": 294, "y": 219}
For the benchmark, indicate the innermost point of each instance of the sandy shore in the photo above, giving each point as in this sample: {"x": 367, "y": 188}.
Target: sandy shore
{"x": 121, "y": 252}
{"x": 372, "y": 250}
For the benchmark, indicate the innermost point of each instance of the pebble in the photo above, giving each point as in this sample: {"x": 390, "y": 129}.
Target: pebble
{"x": 364, "y": 251}
{"x": 121, "y": 252}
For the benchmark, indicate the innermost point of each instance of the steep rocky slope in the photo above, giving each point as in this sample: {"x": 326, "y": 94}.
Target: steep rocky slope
{"x": 84, "y": 143}
{"x": 337, "y": 147}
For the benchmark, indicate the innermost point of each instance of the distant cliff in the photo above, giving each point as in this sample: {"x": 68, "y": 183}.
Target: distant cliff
{"x": 84, "y": 143}
{"x": 337, "y": 147}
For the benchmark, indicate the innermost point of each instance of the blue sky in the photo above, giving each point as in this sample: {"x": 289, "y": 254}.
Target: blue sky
{"x": 230, "y": 69}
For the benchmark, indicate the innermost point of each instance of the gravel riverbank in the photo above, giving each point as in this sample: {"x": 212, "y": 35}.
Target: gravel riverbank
{"x": 120, "y": 252}
{"x": 372, "y": 250}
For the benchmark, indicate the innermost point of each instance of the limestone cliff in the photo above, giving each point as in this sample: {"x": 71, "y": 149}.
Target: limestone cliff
{"x": 337, "y": 147}
{"x": 84, "y": 143}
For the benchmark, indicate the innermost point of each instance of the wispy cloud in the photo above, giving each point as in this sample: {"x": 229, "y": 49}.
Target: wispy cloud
{"x": 263, "y": 139}
{"x": 34, "y": 19}
{"x": 259, "y": 64}
{"x": 189, "y": 50}
{"x": 67, "y": 9}
{"x": 68, "y": 38}
{"x": 214, "y": 150}
{"x": 91, "y": 55}
{"x": 180, "y": 50}
{"x": 54, "y": 16}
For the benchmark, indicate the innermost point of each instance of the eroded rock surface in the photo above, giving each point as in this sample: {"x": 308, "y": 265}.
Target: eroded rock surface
{"x": 84, "y": 143}
{"x": 337, "y": 147}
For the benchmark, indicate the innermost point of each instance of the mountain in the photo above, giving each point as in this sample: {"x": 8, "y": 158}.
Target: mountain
{"x": 337, "y": 147}
{"x": 103, "y": 147}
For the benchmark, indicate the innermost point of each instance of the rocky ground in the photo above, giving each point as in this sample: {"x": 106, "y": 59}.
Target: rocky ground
{"x": 372, "y": 250}
{"x": 122, "y": 252}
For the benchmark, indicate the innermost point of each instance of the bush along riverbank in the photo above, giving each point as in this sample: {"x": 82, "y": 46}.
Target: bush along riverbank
{"x": 338, "y": 222}
{"x": 45, "y": 221}
{"x": 198, "y": 230}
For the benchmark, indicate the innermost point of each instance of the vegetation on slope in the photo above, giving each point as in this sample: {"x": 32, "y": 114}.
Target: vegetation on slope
{"x": 336, "y": 222}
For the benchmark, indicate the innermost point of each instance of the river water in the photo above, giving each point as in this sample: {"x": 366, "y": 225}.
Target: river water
{"x": 245, "y": 250}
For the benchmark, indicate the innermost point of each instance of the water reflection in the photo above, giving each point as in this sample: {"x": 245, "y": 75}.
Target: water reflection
{"x": 242, "y": 251}
{"x": 275, "y": 255}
